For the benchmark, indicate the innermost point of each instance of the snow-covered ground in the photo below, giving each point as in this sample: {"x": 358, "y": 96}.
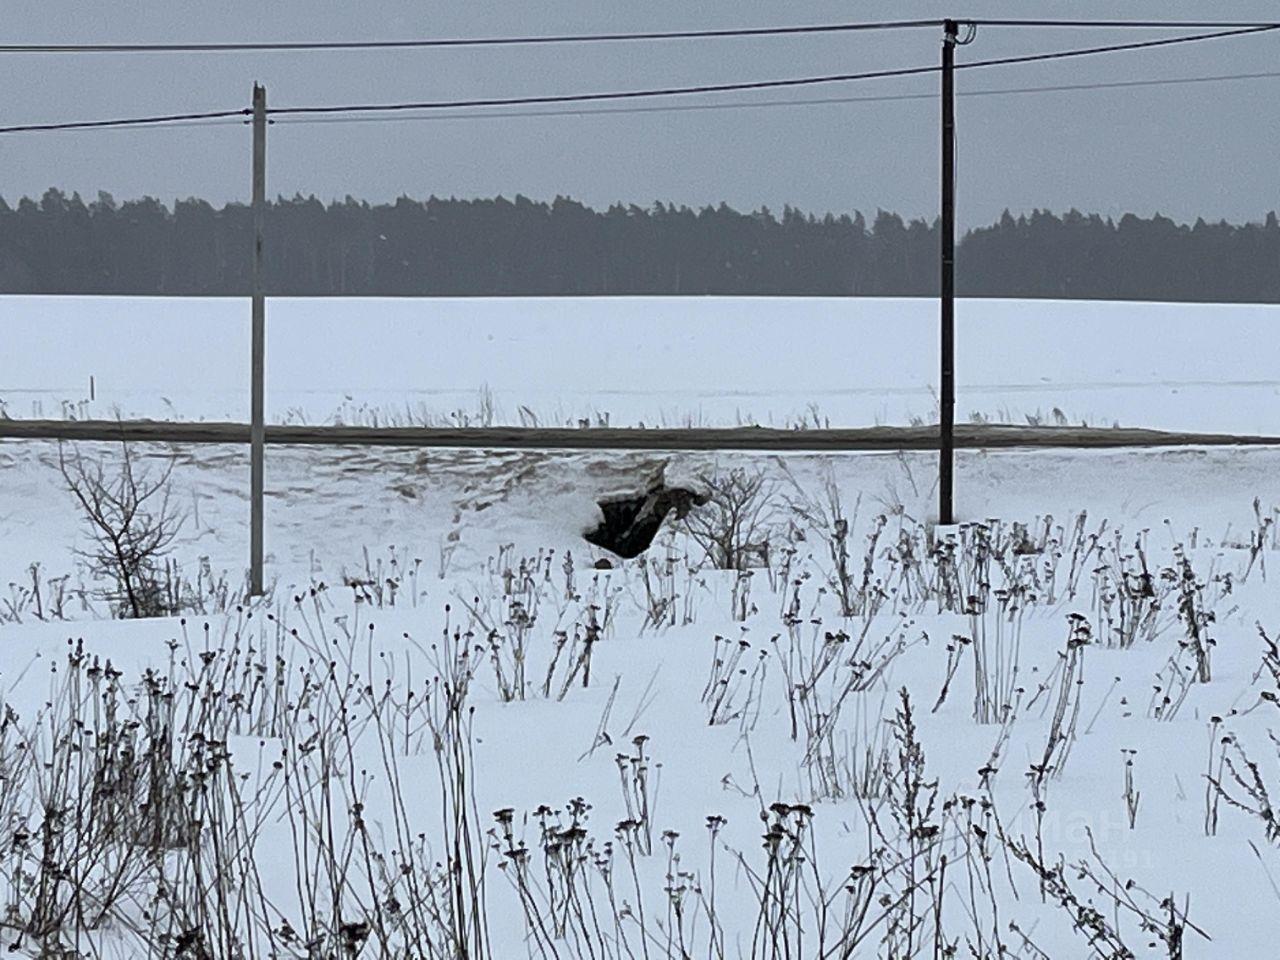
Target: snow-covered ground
{"x": 658, "y": 360}
{"x": 454, "y": 531}
{"x": 1053, "y": 787}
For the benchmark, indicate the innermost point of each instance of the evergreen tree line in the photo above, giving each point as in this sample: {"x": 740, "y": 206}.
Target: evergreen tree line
{"x": 437, "y": 247}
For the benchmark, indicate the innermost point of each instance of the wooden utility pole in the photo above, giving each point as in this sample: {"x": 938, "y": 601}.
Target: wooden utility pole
{"x": 257, "y": 429}
{"x": 947, "y": 395}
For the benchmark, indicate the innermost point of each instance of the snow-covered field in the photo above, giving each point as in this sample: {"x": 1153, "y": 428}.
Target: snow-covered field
{"x": 659, "y": 361}
{"x": 446, "y": 733}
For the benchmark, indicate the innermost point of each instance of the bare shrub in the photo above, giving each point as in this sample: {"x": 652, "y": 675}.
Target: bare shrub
{"x": 133, "y": 523}
{"x": 733, "y": 528}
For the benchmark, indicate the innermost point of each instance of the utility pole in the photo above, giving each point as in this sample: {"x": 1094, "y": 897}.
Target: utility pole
{"x": 257, "y": 430}
{"x": 947, "y": 396}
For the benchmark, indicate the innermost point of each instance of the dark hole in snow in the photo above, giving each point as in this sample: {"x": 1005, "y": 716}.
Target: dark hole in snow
{"x": 631, "y": 520}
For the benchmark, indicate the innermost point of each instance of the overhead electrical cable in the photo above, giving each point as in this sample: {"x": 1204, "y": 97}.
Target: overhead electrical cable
{"x": 242, "y": 115}
{"x": 287, "y": 46}
{"x": 1116, "y": 47}
{"x": 171, "y": 119}
{"x": 1122, "y": 24}
{"x": 799, "y": 102}
{"x": 352, "y": 110}
{"x": 757, "y": 84}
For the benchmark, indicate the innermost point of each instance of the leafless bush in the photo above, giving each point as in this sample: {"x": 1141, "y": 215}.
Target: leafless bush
{"x": 734, "y": 527}
{"x": 132, "y": 522}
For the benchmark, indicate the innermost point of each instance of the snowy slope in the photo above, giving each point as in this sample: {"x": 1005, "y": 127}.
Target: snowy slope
{"x": 472, "y": 502}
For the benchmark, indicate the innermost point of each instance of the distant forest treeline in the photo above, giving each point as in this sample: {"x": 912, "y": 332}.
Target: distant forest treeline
{"x": 60, "y": 244}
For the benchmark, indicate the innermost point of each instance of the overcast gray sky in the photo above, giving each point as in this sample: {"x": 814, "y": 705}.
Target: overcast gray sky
{"x": 1184, "y": 150}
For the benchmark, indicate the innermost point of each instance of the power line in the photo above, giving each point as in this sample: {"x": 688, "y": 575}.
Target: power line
{"x": 759, "y": 84}
{"x": 609, "y": 95}
{"x": 316, "y": 111}
{"x": 164, "y": 123}
{"x": 804, "y": 102}
{"x": 1117, "y": 47}
{"x": 491, "y": 102}
{"x": 1122, "y": 24}
{"x": 320, "y": 45}
{"x": 736, "y": 105}
{"x": 164, "y": 120}
{"x": 287, "y": 46}
{"x": 1119, "y": 84}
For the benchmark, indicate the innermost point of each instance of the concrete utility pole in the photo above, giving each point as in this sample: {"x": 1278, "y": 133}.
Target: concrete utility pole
{"x": 947, "y": 393}
{"x": 257, "y": 430}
